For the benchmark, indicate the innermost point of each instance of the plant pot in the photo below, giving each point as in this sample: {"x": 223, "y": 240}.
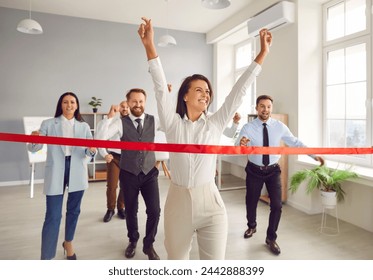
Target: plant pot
{"x": 328, "y": 199}
{"x": 94, "y": 110}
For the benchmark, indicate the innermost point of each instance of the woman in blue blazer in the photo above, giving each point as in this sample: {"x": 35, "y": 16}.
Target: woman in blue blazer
{"x": 65, "y": 170}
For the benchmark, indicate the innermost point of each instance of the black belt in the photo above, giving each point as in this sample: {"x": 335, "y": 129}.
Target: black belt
{"x": 264, "y": 167}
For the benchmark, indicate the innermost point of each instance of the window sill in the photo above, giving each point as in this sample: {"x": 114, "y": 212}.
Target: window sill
{"x": 365, "y": 173}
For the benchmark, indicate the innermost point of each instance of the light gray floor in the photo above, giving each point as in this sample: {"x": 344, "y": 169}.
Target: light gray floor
{"x": 21, "y": 219}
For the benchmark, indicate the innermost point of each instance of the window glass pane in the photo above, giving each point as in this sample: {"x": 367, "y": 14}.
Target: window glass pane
{"x": 243, "y": 56}
{"x": 335, "y": 22}
{"x": 355, "y": 101}
{"x": 355, "y": 16}
{"x": 335, "y": 102}
{"x": 336, "y": 135}
{"x": 356, "y": 63}
{"x": 248, "y": 104}
{"x": 336, "y": 67}
{"x": 347, "y": 112}
{"x": 345, "y": 18}
{"x": 356, "y": 133}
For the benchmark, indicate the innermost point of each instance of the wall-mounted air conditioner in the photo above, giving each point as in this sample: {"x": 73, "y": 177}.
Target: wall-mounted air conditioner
{"x": 275, "y": 16}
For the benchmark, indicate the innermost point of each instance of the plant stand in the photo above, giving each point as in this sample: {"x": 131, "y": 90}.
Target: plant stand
{"x": 330, "y": 229}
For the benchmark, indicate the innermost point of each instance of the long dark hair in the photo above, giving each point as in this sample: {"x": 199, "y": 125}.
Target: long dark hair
{"x": 181, "y": 108}
{"x": 59, "y": 106}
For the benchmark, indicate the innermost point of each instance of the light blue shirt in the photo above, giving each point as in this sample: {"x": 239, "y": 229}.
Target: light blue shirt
{"x": 277, "y": 131}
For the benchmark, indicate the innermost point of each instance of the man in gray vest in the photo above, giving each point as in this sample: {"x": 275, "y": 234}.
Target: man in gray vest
{"x": 137, "y": 171}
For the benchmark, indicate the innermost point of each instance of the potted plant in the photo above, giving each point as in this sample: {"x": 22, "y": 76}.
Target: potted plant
{"x": 95, "y": 102}
{"x": 326, "y": 179}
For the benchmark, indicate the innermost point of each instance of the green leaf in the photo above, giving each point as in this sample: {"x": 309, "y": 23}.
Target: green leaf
{"x": 322, "y": 177}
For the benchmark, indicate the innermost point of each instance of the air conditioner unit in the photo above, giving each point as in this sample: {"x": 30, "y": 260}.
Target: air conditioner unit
{"x": 275, "y": 16}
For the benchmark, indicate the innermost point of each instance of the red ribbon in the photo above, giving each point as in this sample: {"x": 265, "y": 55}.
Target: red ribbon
{"x": 178, "y": 148}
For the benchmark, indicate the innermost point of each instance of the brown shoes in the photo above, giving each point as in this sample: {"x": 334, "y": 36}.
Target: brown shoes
{"x": 150, "y": 252}
{"x": 130, "y": 250}
{"x": 249, "y": 232}
{"x": 273, "y": 246}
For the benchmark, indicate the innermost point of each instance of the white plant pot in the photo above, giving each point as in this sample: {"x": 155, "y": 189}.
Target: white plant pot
{"x": 328, "y": 199}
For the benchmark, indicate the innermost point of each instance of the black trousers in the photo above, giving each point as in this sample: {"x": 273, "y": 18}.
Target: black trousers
{"x": 271, "y": 177}
{"x": 132, "y": 185}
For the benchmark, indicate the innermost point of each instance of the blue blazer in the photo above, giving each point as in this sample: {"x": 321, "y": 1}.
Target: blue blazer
{"x": 55, "y": 163}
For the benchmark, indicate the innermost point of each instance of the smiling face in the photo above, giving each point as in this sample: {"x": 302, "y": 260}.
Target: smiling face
{"x": 69, "y": 106}
{"x": 136, "y": 101}
{"x": 123, "y": 108}
{"x": 197, "y": 98}
{"x": 264, "y": 109}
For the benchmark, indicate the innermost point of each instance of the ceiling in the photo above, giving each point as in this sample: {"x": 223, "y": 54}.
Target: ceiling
{"x": 185, "y": 15}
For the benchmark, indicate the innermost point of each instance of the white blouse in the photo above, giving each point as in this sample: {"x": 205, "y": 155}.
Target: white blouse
{"x": 67, "y": 131}
{"x": 189, "y": 169}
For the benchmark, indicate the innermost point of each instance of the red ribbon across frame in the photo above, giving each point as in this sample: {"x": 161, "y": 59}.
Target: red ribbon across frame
{"x": 178, "y": 148}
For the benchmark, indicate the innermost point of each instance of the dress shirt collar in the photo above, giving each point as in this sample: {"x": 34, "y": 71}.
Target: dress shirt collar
{"x": 203, "y": 117}
{"x": 133, "y": 118}
{"x": 259, "y": 122}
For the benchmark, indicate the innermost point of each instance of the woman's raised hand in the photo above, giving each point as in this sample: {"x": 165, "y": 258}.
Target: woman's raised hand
{"x": 146, "y": 33}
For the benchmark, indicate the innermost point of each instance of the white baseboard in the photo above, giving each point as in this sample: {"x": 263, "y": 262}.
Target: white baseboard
{"x": 20, "y": 183}
{"x": 301, "y": 207}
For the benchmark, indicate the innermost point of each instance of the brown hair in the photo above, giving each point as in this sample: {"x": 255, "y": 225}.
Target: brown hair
{"x": 263, "y": 97}
{"x": 128, "y": 95}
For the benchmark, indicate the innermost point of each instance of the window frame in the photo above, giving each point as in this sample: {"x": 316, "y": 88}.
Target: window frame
{"x": 342, "y": 43}
{"x": 237, "y": 72}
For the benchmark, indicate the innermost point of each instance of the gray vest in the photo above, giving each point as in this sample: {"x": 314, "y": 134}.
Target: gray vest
{"x": 137, "y": 161}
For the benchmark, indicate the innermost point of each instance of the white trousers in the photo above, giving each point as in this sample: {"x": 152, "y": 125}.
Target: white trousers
{"x": 197, "y": 210}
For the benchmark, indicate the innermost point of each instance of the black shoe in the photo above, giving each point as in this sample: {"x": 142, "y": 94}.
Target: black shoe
{"x": 130, "y": 250}
{"x": 273, "y": 246}
{"x": 150, "y": 252}
{"x": 249, "y": 232}
{"x": 70, "y": 258}
{"x": 121, "y": 214}
{"x": 109, "y": 214}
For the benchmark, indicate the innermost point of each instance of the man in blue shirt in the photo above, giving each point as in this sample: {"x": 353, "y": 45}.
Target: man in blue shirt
{"x": 264, "y": 169}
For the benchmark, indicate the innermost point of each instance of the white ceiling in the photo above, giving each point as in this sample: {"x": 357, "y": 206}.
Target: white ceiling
{"x": 185, "y": 15}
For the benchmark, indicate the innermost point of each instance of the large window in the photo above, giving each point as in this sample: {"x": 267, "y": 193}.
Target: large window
{"x": 347, "y": 96}
{"x": 244, "y": 53}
